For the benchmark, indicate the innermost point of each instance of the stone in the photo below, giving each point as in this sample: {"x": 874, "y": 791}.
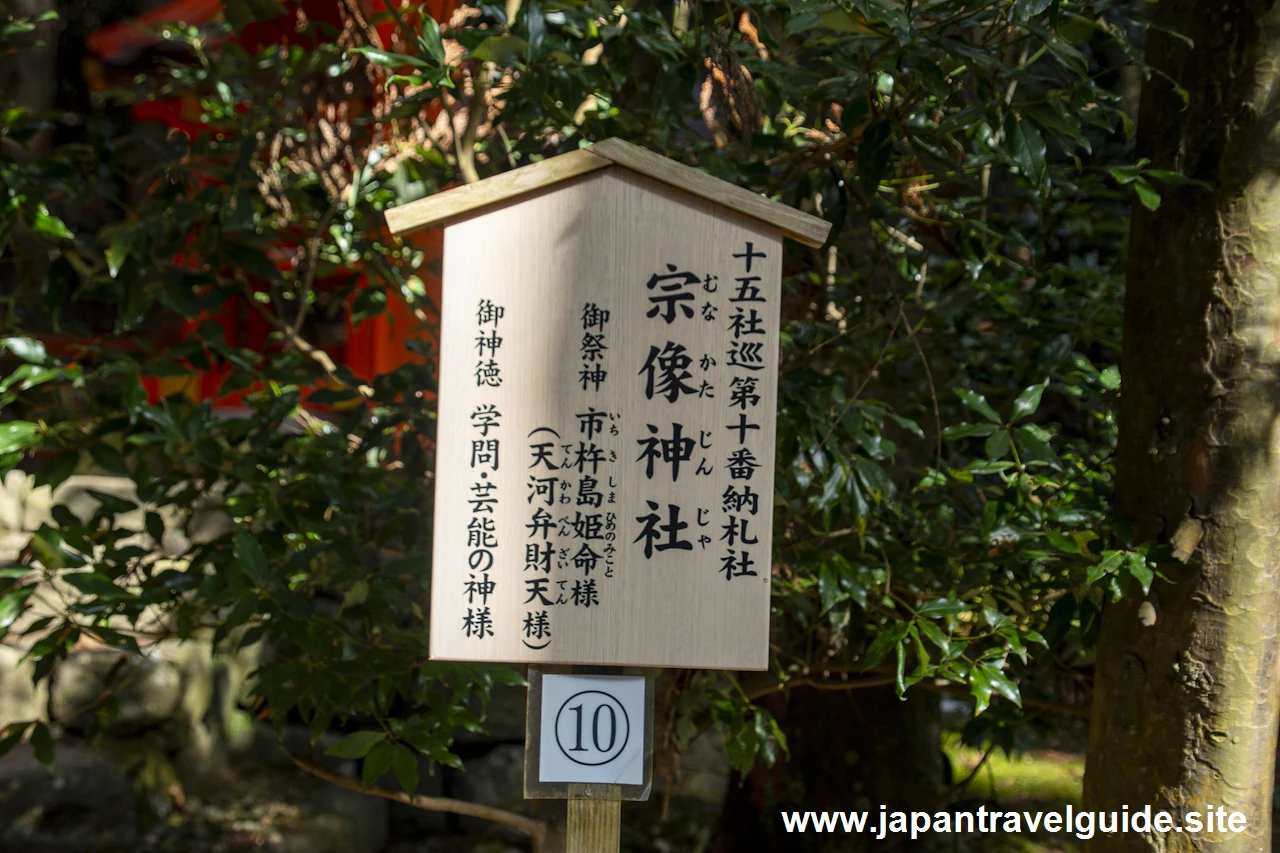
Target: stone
{"x": 37, "y": 508}
{"x": 148, "y": 690}
{"x": 20, "y": 700}
{"x": 493, "y": 779}
{"x": 277, "y": 809}
{"x": 207, "y": 525}
{"x": 705, "y": 768}
{"x": 410, "y": 822}
{"x": 73, "y": 493}
{"x": 330, "y": 819}
{"x": 13, "y": 499}
{"x": 503, "y": 718}
{"x": 86, "y": 805}
{"x": 682, "y": 818}
{"x": 313, "y": 816}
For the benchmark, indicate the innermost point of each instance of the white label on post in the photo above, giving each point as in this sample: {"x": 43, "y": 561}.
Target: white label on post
{"x": 592, "y": 729}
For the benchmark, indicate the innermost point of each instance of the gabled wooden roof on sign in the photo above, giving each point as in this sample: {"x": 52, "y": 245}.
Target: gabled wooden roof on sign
{"x": 432, "y": 210}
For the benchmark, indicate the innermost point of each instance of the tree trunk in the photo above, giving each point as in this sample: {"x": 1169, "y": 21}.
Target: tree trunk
{"x": 851, "y": 750}
{"x": 1185, "y": 711}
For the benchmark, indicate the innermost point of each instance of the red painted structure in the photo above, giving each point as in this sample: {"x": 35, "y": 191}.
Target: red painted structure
{"x": 375, "y": 346}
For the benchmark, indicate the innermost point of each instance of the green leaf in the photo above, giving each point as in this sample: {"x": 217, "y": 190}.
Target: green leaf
{"x": 1140, "y": 571}
{"x": 59, "y": 469}
{"x": 1171, "y": 177}
{"x": 1110, "y": 561}
{"x": 942, "y": 607}
{"x": 369, "y": 302}
{"x": 18, "y": 436}
{"x": 11, "y": 605}
{"x": 266, "y": 10}
{"x": 357, "y": 594}
{"x": 405, "y": 764}
{"x": 1000, "y": 683}
{"x": 1110, "y": 378}
{"x": 387, "y": 59}
{"x": 117, "y": 252}
{"x": 237, "y": 13}
{"x": 109, "y": 458}
{"x": 977, "y": 403}
{"x": 873, "y": 154}
{"x": 1028, "y": 401}
{"x": 31, "y": 375}
{"x": 12, "y": 736}
{"x": 1035, "y": 447}
{"x": 980, "y": 687}
{"x": 249, "y": 556}
{"x": 355, "y": 745}
{"x": 1068, "y": 56}
{"x": 967, "y": 431}
{"x": 431, "y": 40}
{"x": 770, "y": 725}
{"x": 762, "y": 732}
{"x": 997, "y": 444}
{"x": 1126, "y": 174}
{"x": 1075, "y": 29}
{"x": 1027, "y": 148}
{"x": 885, "y": 641}
{"x": 1062, "y": 543}
{"x": 934, "y": 634}
{"x": 979, "y": 466}
{"x": 995, "y": 618}
{"x": 154, "y": 525}
{"x": 502, "y": 50}
{"x": 377, "y": 762}
{"x": 899, "y": 671}
{"x": 908, "y": 424}
{"x": 42, "y": 744}
{"x": 254, "y": 262}
{"x": 111, "y": 503}
{"x": 47, "y": 225}
{"x": 1025, "y": 10}
{"x": 28, "y": 349}
{"x": 96, "y": 585}
{"x": 1147, "y": 194}
{"x": 1066, "y": 125}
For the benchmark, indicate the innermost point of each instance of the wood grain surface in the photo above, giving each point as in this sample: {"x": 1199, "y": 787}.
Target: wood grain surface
{"x": 599, "y": 239}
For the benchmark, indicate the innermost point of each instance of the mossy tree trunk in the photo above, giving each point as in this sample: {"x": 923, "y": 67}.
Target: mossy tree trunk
{"x": 1185, "y": 709}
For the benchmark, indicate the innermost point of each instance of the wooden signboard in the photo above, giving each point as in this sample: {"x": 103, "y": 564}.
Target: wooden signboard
{"x": 608, "y": 384}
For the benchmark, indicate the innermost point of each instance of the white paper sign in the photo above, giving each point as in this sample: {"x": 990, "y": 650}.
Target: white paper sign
{"x": 592, "y": 729}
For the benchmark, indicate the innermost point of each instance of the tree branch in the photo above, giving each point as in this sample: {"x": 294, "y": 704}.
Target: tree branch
{"x": 973, "y": 774}
{"x": 301, "y": 344}
{"x": 311, "y": 259}
{"x": 535, "y": 829}
{"x": 820, "y": 684}
{"x": 464, "y": 143}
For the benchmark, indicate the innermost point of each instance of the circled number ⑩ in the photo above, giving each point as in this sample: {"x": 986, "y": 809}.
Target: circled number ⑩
{"x": 592, "y": 728}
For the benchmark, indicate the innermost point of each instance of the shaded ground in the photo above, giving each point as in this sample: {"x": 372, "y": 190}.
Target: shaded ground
{"x": 1035, "y": 780}
{"x": 273, "y": 807}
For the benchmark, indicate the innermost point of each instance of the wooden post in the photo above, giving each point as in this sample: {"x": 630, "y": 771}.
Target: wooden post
{"x": 594, "y": 825}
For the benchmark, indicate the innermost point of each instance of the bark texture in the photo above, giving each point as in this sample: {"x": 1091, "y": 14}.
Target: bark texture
{"x": 1185, "y": 710}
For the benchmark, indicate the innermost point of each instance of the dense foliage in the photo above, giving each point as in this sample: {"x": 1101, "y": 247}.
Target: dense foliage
{"x": 945, "y": 426}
